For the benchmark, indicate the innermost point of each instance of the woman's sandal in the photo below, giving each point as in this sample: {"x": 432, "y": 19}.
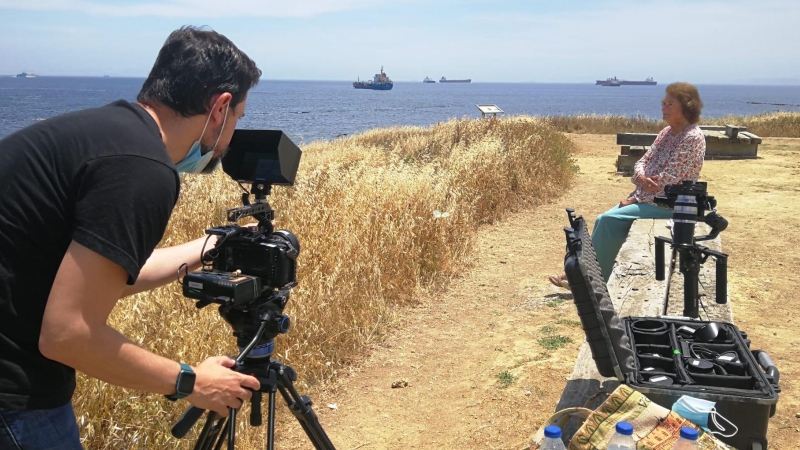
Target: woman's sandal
{"x": 559, "y": 280}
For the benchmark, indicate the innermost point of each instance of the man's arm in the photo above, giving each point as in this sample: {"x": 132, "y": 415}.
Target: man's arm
{"x": 74, "y": 332}
{"x": 162, "y": 266}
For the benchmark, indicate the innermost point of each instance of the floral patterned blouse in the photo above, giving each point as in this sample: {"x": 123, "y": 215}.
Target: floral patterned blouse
{"x": 674, "y": 157}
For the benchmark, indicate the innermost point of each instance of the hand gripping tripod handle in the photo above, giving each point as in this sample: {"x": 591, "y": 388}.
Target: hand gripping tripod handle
{"x": 187, "y": 421}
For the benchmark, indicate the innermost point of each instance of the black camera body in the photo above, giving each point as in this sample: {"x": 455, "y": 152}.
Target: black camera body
{"x": 272, "y": 257}
{"x": 244, "y": 265}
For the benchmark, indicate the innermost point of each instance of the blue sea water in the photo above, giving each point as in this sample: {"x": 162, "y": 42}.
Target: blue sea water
{"x": 314, "y": 110}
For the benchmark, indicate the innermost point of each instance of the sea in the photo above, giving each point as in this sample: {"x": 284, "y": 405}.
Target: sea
{"x": 322, "y": 110}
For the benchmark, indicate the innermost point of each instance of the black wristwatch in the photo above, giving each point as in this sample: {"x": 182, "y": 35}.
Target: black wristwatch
{"x": 185, "y": 384}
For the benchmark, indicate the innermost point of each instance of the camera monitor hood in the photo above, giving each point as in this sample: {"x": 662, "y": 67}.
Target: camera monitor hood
{"x": 262, "y": 156}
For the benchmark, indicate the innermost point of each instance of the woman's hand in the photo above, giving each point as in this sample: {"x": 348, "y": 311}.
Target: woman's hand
{"x": 628, "y": 201}
{"x": 650, "y": 184}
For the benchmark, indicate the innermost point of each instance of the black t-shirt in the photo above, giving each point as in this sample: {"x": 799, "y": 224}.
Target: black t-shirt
{"x": 101, "y": 177}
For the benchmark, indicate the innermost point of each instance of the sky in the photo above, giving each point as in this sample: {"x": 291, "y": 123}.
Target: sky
{"x": 573, "y": 41}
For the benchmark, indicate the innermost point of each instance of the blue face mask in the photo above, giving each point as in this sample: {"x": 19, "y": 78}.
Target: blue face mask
{"x": 195, "y": 162}
{"x": 698, "y": 411}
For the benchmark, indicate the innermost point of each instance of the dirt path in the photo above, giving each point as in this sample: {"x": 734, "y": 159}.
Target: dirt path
{"x": 485, "y": 363}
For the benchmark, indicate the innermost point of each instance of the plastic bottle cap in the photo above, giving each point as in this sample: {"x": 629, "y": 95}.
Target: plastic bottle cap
{"x": 624, "y": 428}
{"x": 689, "y": 433}
{"x": 552, "y": 431}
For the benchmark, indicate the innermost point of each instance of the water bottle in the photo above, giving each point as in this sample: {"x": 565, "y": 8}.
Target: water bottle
{"x": 552, "y": 438}
{"x": 688, "y": 440}
{"x": 623, "y": 438}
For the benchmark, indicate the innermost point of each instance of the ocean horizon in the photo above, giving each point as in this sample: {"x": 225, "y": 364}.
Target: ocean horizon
{"x": 321, "y": 110}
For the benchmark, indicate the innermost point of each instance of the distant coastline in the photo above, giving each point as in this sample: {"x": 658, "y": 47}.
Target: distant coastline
{"x": 661, "y": 84}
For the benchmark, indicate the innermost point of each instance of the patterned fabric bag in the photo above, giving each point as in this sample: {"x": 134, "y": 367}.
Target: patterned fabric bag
{"x": 654, "y": 427}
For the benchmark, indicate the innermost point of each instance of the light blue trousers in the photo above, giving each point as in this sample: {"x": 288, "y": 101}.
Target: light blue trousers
{"x": 611, "y": 229}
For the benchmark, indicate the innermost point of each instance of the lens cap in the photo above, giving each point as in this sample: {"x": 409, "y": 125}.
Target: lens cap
{"x": 699, "y": 365}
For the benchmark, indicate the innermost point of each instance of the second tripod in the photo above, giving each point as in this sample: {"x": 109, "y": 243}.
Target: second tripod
{"x": 691, "y": 258}
{"x": 689, "y": 201}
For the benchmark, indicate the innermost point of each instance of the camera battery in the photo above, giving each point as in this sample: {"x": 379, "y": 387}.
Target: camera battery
{"x": 221, "y": 286}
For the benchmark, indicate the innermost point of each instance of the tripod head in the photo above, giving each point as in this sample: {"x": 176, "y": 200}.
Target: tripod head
{"x": 689, "y": 201}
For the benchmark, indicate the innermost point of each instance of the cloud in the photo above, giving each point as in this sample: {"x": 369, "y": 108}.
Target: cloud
{"x": 194, "y": 8}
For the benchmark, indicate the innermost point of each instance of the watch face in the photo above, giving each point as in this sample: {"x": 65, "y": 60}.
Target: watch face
{"x": 186, "y": 382}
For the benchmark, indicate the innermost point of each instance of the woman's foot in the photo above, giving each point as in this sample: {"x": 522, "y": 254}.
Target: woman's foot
{"x": 559, "y": 280}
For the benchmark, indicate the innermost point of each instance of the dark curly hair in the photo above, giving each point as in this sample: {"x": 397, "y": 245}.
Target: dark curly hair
{"x": 689, "y": 98}
{"x": 193, "y": 66}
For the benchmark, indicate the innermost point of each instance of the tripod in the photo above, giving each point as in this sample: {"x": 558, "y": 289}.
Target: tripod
{"x": 691, "y": 258}
{"x": 274, "y": 377}
{"x": 689, "y": 202}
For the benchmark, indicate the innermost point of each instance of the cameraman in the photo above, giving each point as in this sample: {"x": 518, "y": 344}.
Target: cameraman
{"x": 84, "y": 199}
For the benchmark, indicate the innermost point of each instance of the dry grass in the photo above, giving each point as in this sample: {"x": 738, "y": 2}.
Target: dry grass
{"x": 775, "y": 124}
{"x": 363, "y": 209}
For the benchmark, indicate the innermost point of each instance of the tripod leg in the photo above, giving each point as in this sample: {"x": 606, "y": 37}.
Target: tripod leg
{"x": 211, "y": 430}
{"x": 222, "y": 435}
{"x": 690, "y": 267}
{"x": 672, "y": 259}
{"x": 232, "y": 430}
{"x": 300, "y": 406}
{"x": 271, "y": 421}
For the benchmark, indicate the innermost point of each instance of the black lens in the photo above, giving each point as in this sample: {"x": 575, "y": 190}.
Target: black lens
{"x": 290, "y": 238}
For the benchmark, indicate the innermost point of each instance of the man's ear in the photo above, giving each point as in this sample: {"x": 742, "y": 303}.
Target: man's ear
{"x": 219, "y": 104}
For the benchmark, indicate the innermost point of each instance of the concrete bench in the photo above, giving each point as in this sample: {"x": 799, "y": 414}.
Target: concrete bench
{"x": 722, "y": 142}
{"x": 635, "y": 291}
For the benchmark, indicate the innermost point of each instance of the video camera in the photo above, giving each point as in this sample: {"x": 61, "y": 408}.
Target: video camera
{"x": 249, "y": 273}
{"x": 689, "y": 201}
{"x": 250, "y": 270}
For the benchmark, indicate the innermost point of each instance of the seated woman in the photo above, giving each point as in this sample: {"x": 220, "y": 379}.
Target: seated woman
{"x": 677, "y": 154}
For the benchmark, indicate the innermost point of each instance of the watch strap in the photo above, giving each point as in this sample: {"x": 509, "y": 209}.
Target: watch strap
{"x": 180, "y": 388}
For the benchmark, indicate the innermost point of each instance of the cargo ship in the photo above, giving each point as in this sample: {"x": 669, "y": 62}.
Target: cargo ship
{"x": 647, "y": 82}
{"x": 428, "y": 80}
{"x": 379, "y": 82}
{"x": 445, "y": 80}
{"x": 616, "y": 82}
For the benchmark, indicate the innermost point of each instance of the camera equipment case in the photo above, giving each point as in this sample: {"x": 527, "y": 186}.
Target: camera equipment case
{"x": 667, "y": 357}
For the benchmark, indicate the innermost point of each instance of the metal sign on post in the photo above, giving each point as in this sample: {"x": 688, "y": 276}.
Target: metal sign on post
{"x": 494, "y": 110}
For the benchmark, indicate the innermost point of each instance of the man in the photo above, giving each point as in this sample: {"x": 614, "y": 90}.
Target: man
{"x": 84, "y": 200}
